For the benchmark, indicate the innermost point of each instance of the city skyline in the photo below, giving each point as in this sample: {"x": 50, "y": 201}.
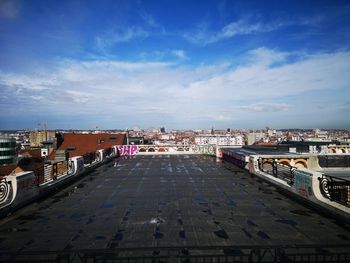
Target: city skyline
{"x": 118, "y": 64}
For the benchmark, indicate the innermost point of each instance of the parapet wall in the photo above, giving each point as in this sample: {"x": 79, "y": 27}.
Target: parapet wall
{"x": 18, "y": 190}
{"x": 322, "y": 191}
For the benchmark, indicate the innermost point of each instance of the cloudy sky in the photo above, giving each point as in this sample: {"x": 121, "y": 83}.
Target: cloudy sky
{"x": 181, "y": 64}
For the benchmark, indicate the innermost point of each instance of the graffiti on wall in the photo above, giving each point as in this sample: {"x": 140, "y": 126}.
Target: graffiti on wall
{"x": 303, "y": 183}
{"x": 204, "y": 149}
{"x": 128, "y": 149}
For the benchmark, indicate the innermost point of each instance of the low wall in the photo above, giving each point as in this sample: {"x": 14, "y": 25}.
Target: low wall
{"x": 23, "y": 188}
{"x": 305, "y": 184}
{"x": 166, "y": 149}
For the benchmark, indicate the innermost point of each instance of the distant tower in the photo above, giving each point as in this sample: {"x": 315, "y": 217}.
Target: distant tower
{"x": 127, "y": 136}
{"x": 162, "y": 130}
{"x": 212, "y": 130}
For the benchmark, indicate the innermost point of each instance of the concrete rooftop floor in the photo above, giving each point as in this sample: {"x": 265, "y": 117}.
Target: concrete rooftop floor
{"x": 167, "y": 201}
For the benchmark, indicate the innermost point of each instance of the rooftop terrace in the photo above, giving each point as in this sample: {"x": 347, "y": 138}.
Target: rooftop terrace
{"x": 167, "y": 201}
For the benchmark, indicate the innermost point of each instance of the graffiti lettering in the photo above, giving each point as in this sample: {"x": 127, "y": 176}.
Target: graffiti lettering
{"x": 128, "y": 149}
{"x": 303, "y": 183}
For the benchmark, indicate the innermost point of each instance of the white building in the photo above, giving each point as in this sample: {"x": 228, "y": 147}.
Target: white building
{"x": 255, "y": 137}
{"x": 220, "y": 139}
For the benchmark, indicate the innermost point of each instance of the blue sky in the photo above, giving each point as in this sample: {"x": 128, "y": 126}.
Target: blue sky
{"x": 181, "y": 64}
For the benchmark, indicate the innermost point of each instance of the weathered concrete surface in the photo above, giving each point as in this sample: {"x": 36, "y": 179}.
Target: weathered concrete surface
{"x": 167, "y": 201}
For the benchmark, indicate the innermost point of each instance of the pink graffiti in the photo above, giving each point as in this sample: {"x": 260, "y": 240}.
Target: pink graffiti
{"x": 128, "y": 149}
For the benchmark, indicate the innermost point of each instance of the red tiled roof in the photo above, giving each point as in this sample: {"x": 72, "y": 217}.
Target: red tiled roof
{"x": 32, "y": 153}
{"x": 84, "y": 143}
{"x": 6, "y": 169}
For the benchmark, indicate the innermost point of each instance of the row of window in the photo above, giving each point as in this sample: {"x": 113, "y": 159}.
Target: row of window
{"x": 7, "y": 144}
{"x": 8, "y": 153}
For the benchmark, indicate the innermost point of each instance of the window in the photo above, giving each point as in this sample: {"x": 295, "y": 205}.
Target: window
{"x": 71, "y": 149}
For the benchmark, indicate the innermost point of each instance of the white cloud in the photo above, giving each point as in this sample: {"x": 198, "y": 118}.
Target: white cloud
{"x": 166, "y": 92}
{"x": 32, "y": 82}
{"x": 266, "y": 107}
{"x": 113, "y": 37}
{"x": 240, "y": 27}
{"x": 244, "y": 26}
{"x": 180, "y": 54}
{"x": 264, "y": 56}
{"x": 36, "y": 97}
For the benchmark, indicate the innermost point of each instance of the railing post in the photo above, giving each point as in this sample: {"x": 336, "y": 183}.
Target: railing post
{"x": 292, "y": 169}
{"x": 274, "y": 168}
{"x": 260, "y": 164}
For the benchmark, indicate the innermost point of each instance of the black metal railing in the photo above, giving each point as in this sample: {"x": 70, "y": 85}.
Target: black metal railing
{"x": 291, "y": 253}
{"x": 278, "y": 170}
{"x": 89, "y": 157}
{"x": 108, "y": 151}
{"x": 335, "y": 189}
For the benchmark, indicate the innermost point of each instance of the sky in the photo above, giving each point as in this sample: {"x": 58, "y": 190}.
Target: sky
{"x": 179, "y": 64}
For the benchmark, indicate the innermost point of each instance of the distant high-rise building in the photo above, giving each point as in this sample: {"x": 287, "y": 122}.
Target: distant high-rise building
{"x": 255, "y": 137}
{"x": 212, "y": 131}
{"x": 7, "y": 150}
{"x": 162, "y": 130}
{"x": 36, "y": 138}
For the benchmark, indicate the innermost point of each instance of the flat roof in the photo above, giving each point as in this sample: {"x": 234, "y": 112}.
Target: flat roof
{"x": 165, "y": 201}
{"x": 246, "y": 151}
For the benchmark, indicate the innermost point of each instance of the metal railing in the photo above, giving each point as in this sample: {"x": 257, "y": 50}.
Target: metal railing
{"x": 284, "y": 172}
{"x": 89, "y": 158}
{"x": 291, "y": 253}
{"x": 51, "y": 172}
{"x": 335, "y": 189}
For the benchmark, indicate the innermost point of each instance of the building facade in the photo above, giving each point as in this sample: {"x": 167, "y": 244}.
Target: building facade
{"x": 7, "y": 150}
{"x": 220, "y": 139}
{"x": 36, "y": 138}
